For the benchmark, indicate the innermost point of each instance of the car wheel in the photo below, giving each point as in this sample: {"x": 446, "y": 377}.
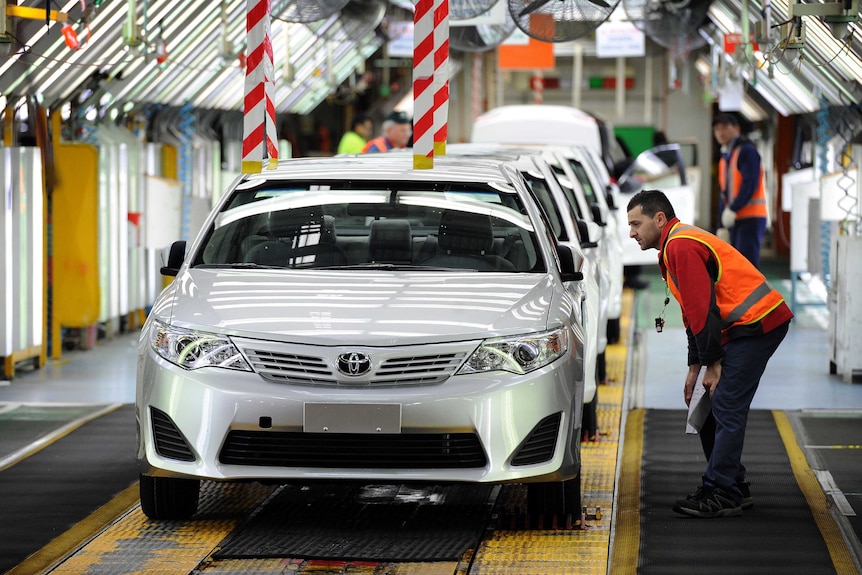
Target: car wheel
{"x": 169, "y": 497}
{"x": 613, "y": 330}
{"x": 555, "y": 504}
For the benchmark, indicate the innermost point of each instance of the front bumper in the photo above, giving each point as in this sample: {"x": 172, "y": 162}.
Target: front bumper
{"x": 500, "y": 409}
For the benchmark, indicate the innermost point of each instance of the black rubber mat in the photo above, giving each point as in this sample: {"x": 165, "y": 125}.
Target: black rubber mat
{"x": 778, "y": 535}
{"x": 25, "y": 424}
{"x": 349, "y": 522}
{"x": 50, "y": 491}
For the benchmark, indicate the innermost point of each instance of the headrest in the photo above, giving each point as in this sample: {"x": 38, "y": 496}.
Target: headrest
{"x": 328, "y": 229}
{"x": 465, "y": 233}
{"x": 308, "y": 221}
{"x": 390, "y": 241}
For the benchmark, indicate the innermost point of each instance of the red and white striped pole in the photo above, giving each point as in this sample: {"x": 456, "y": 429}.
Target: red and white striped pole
{"x": 441, "y": 76}
{"x": 538, "y": 85}
{"x": 423, "y": 85}
{"x": 259, "y": 138}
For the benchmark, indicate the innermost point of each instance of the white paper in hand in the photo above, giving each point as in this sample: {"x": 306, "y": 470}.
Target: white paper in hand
{"x": 699, "y": 406}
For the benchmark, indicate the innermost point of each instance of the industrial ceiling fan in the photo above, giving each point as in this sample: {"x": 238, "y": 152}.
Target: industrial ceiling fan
{"x": 360, "y": 18}
{"x": 306, "y": 10}
{"x": 672, "y": 24}
{"x": 481, "y": 37}
{"x": 466, "y": 9}
{"x": 560, "y": 20}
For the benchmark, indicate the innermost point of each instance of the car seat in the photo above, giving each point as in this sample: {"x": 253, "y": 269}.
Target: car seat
{"x": 466, "y": 240}
{"x": 390, "y": 241}
{"x": 301, "y": 237}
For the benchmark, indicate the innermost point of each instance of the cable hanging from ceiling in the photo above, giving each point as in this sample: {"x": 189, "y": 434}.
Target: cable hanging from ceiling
{"x": 847, "y": 125}
{"x": 823, "y": 137}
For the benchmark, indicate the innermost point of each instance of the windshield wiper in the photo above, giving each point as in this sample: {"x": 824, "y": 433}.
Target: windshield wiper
{"x": 394, "y": 267}
{"x": 238, "y": 265}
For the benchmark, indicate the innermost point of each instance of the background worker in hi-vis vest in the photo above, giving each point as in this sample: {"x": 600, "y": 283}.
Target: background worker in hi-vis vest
{"x": 742, "y": 201}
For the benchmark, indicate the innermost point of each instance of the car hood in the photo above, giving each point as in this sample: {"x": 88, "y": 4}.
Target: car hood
{"x": 331, "y": 307}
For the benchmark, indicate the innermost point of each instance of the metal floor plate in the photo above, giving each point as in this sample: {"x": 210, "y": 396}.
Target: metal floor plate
{"x": 388, "y": 523}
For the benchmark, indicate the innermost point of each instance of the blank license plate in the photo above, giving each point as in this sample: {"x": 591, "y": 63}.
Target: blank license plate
{"x": 352, "y": 418}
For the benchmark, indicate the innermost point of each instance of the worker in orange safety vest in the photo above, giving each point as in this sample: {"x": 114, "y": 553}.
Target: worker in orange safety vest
{"x": 734, "y": 321}
{"x": 742, "y": 198}
{"x": 396, "y": 134}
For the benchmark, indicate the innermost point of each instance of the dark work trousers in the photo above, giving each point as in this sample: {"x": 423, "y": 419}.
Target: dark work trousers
{"x": 741, "y": 369}
{"x": 746, "y": 235}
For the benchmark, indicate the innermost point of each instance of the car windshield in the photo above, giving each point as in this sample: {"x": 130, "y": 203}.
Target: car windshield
{"x": 373, "y": 225}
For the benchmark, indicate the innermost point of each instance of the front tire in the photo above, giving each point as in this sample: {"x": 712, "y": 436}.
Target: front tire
{"x": 169, "y": 497}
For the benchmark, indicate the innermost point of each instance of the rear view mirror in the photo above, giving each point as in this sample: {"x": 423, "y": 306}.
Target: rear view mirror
{"x": 571, "y": 262}
{"x": 590, "y": 233}
{"x": 173, "y": 257}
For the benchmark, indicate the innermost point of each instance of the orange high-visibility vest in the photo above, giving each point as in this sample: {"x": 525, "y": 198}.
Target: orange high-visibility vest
{"x": 379, "y": 144}
{"x": 756, "y": 206}
{"x": 742, "y": 294}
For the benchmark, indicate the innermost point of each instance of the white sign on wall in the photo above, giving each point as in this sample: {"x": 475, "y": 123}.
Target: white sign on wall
{"x": 517, "y": 38}
{"x": 619, "y": 40}
{"x": 401, "y": 45}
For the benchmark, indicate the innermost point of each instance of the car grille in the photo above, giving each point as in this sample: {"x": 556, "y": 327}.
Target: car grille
{"x": 353, "y": 450}
{"x": 396, "y": 371}
{"x": 170, "y": 443}
{"x": 541, "y": 443}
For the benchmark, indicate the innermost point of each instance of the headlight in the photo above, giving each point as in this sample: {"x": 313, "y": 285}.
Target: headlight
{"x": 191, "y": 349}
{"x": 520, "y": 354}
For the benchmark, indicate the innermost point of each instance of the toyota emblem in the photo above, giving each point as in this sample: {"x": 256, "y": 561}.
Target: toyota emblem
{"x": 354, "y": 363}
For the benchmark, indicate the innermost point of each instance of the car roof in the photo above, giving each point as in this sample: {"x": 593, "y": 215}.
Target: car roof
{"x": 386, "y": 167}
{"x": 531, "y": 124}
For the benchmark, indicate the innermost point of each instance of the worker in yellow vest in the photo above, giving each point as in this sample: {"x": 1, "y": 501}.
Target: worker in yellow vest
{"x": 734, "y": 321}
{"x": 742, "y": 198}
{"x": 354, "y": 140}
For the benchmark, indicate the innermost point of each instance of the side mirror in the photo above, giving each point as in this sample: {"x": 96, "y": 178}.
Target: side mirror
{"x": 609, "y": 196}
{"x": 571, "y": 262}
{"x": 597, "y": 215}
{"x": 174, "y": 254}
{"x": 590, "y": 233}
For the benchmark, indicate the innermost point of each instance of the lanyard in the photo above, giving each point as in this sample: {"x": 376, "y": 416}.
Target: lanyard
{"x": 659, "y": 321}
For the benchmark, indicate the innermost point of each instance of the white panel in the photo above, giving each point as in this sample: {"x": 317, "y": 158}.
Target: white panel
{"x": 801, "y": 193}
{"x": 32, "y": 228}
{"x": 789, "y": 180}
{"x": 845, "y": 307}
{"x": 162, "y": 219}
{"x": 6, "y": 254}
{"x": 21, "y": 230}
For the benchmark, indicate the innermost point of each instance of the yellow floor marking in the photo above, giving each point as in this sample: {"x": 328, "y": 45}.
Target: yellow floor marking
{"x": 815, "y": 497}
{"x": 66, "y": 543}
{"x": 135, "y": 545}
{"x": 627, "y": 530}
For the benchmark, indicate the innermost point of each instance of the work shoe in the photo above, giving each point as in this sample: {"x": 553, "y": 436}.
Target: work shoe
{"x": 708, "y": 502}
{"x": 745, "y": 488}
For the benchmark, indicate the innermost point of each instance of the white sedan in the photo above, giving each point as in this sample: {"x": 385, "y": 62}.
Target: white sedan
{"x": 356, "y": 319}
